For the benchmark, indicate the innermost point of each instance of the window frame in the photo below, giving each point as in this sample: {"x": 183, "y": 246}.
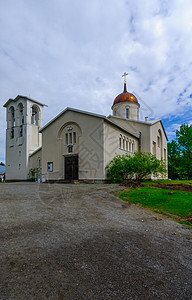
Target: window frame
{"x": 50, "y": 166}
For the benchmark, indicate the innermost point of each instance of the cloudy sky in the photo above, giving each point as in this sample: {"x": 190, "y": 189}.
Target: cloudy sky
{"x": 73, "y": 53}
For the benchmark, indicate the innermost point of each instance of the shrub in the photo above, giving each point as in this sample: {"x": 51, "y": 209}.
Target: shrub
{"x": 34, "y": 174}
{"x": 138, "y": 167}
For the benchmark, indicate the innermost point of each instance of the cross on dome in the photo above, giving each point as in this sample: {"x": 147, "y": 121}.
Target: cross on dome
{"x": 124, "y": 75}
{"x": 125, "y": 96}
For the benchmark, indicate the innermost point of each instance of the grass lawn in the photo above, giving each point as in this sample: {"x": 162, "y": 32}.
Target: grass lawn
{"x": 177, "y": 203}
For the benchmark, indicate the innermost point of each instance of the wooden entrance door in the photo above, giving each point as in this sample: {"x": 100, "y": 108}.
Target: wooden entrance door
{"x": 71, "y": 168}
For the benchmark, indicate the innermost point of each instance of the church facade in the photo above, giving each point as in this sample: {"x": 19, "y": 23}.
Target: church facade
{"x": 76, "y": 145}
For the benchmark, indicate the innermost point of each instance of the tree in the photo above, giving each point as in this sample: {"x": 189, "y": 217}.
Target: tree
{"x": 2, "y": 164}
{"x": 180, "y": 154}
{"x": 184, "y": 138}
{"x": 174, "y": 160}
{"x": 138, "y": 167}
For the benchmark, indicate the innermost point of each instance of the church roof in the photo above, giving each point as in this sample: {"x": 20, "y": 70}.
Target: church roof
{"x": 122, "y": 128}
{"x": 125, "y": 97}
{"x": 149, "y": 122}
{"x": 90, "y": 114}
{"x": 37, "y": 150}
{"x": 23, "y": 97}
{"x": 71, "y": 109}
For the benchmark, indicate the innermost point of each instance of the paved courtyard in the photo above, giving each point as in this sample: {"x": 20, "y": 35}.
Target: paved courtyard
{"x": 82, "y": 242}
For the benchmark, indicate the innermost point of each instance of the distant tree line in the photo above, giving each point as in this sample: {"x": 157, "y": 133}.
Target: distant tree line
{"x": 180, "y": 154}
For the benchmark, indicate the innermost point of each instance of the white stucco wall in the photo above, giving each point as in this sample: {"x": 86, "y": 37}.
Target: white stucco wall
{"x": 136, "y": 127}
{"x": 34, "y": 159}
{"x": 19, "y": 148}
{"x": 112, "y": 147}
{"x": 89, "y": 146}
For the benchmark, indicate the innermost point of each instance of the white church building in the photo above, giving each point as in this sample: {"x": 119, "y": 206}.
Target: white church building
{"x": 76, "y": 144}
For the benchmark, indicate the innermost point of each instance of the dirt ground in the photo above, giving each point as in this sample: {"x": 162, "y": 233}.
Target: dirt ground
{"x": 82, "y": 242}
{"x": 175, "y": 187}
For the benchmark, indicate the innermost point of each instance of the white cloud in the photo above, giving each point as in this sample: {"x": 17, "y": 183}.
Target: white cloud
{"x": 67, "y": 53}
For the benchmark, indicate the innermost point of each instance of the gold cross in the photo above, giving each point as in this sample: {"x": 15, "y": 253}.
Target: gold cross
{"x": 124, "y": 75}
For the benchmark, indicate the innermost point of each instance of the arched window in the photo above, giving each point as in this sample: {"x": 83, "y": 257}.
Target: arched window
{"x": 154, "y": 148}
{"x": 70, "y": 138}
{"x": 35, "y": 115}
{"x": 127, "y": 145}
{"x": 12, "y": 121}
{"x": 124, "y": 143}
{"x": 159, "y": 143}
{"x": 20, "y": 114}
{"x": 12, "y": 116}
{"x": 130, "y": 146}
{"x": 120, "y": 142}
{"x": 20, "y": 119}
{"x": 127, "y": 113}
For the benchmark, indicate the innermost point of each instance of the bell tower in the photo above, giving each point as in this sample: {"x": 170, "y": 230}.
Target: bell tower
{"x": 24, "y": 120}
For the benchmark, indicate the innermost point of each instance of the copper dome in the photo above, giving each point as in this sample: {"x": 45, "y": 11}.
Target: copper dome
{"x": 125, "y": 96}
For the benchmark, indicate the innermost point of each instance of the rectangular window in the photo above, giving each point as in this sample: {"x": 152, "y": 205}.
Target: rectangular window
{"x": 165, "y": 156}
{"x": 123, "y": 144}
{"x": 127, "y": 113}
{"x": 158, "y": 141}
{"x": 12, "y": 133}
{"x": 66, "y": 138}
{"x": 50, "y": 167}
{"x": 70, "y": 149}
{"x": 70, "y": 138}
{"x": 127, "y": 145}
{"x": 74, "y": 137}
{"x": 39, "y": 163}
{"x": 21, "y": 130}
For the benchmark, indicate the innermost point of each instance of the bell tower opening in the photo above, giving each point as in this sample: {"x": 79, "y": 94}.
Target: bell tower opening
{"x": 20, "y": 118}
{"x": 11, "y": 121}
{"x": 35, "y": 115}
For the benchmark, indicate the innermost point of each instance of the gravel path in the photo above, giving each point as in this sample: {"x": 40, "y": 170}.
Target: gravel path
{"x": 81, "y": 242}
